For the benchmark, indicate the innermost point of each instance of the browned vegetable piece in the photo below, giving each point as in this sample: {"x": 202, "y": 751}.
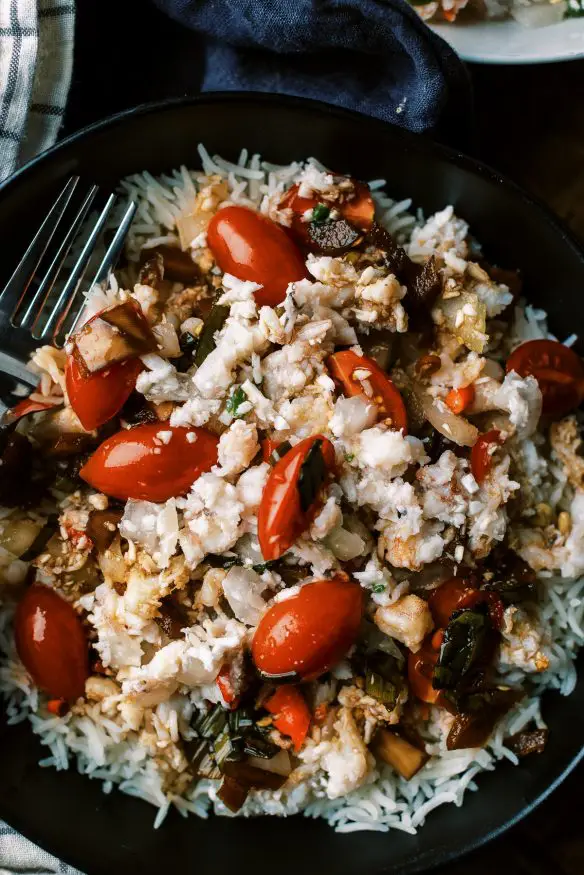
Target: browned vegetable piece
{"x": 178, "y": 265}
{"x": 473, "y": 726}
{"x": 335, "y": 237}
{"x": 398, "y": 753}
{"x": 151, "y": 269}
{"x": 137, "y": 411}
{"x": 232, "y": 793}
{"x": 68, "y": 444}
{"x": 528, "y": 741}
{"x": 173, "y": 618}
{"x": 423, "y": 282}
{"x": 116, "y": 334}
{"x": 246, "y": 773}
{"x": 102, "y": 527}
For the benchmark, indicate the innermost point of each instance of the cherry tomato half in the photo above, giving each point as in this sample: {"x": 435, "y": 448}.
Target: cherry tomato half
{"x": 459, "y": 399}
{"x": 26, "y": 407}
{"x": 558, "y": 370}
{"x": 268, "y": 446}
{"x": 359, "y": 211}
{"x": 291, "y": 714}
{"x": 252, "y": 247}
{"x": 51, "y": 643}
{"x": 281, "y": 519}
{"x": 343, "y": 365}
{"x": 225, "y": 684}
{"x": 308, "y": 633}
{"x": 136, "y": 463}
{"x": 481, "y": 455}
{"x": 97, "y": 397}
{"x": 458, "y": 593}
{"x": 420, "y": 668}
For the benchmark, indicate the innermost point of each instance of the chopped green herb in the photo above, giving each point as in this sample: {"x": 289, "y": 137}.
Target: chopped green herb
{"x": 264, "y": 566}
{"x": 214, "y": 323}
{"x": 312, "y": 476}
{"x": 349, "y": 457}
{"x": 234, "y": 402}
{"x": 378, "y": 587}
{"x": 223, "y": 561}
{"x": 212, "y": 723}
{"x": 320, "y": 213}
{"x": 465, "y": 639}
{"x": 382, "y": 690}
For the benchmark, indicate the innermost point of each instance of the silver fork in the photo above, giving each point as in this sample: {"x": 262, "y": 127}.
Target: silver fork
{"x": 31, "y": 316}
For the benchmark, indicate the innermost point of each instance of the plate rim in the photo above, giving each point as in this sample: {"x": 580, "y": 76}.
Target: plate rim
{"x": 420, "y": 143}
{"x": 442, "y": 29}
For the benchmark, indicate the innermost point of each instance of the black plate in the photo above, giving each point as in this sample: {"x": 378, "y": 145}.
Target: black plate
{"x": 104, "y": 835}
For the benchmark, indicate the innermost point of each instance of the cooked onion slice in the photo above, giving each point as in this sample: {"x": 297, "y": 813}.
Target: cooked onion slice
{"x": 115, "y": 334}
{"x": 455, "y": 428}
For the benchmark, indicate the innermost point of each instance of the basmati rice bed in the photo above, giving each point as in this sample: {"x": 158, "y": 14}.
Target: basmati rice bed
{"x": 399, "y": 515}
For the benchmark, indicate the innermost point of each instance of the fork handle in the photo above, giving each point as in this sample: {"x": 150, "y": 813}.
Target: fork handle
{"x": 16, "y": 369}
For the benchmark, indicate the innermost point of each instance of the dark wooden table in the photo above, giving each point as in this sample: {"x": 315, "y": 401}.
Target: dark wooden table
{"x": 530, "y": 126}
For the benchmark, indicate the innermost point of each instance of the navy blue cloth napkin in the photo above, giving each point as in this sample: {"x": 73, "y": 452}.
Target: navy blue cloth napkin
{"x": 374, "y": 56}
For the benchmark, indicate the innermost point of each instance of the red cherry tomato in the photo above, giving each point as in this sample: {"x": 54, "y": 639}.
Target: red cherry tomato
{"x": 252, "y": 247}
{"x": 268, "y": 446}
{"x": 343, "y": 365}
{"x": 558, "y": 370}
{"x": 136, "y": 463}
{"x": 292, "y": 715}
{"x": 359, "y": 211}
{"x": 459, "y": 399}
{"x": 97, "y": 397}
{"x": 225, "y": 685}
{"x": 420, "y": 668}
{"x": 281, "y": 519}
{"x": 481, "y": 455}
{"x": 51, "y": 643}
{"x": 308, "y": 633}
{"x": 25, "y": 408}
{"x": 457, "y": 593}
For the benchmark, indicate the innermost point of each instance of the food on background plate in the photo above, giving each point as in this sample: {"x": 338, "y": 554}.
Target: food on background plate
{"x": 530, "y": 13}
{"x": 293, "y": 522}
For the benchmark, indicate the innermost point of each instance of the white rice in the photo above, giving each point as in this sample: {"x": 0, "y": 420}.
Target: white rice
{"x": 92, "y": 742}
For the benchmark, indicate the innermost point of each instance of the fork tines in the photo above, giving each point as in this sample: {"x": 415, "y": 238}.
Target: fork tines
{"x": 46, "y": 284}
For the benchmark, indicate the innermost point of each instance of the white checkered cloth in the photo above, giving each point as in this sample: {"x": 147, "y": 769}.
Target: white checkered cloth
{"x": 36, "y": 60}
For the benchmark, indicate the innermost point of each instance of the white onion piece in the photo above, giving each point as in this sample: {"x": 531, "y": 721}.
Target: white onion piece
{"x": 166, "y": 340}
{"x": 455, "y": 428}
{"x": 345, "y": 545}
{"x": 189, "y": 227}
{"x": 279, "y": 764}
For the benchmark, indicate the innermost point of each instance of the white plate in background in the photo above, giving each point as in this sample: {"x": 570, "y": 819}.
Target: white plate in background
{"x": 508, "y": 42}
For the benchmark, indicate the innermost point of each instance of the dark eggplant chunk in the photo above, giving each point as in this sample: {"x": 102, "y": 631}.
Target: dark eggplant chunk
{"x": 473, "y": 726}
{"x": 334, "y": 237}
{"x": 102, "y": 527}
{"x": 509, "y": 576}
{"x": 173, "y": 618}
{"x": 151, "y": 269}
{"x": 178, "y": 266}
{"x": 423, "y": 282}
{"x": 528, "y": 741}
{"x": 137, "y": 411}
